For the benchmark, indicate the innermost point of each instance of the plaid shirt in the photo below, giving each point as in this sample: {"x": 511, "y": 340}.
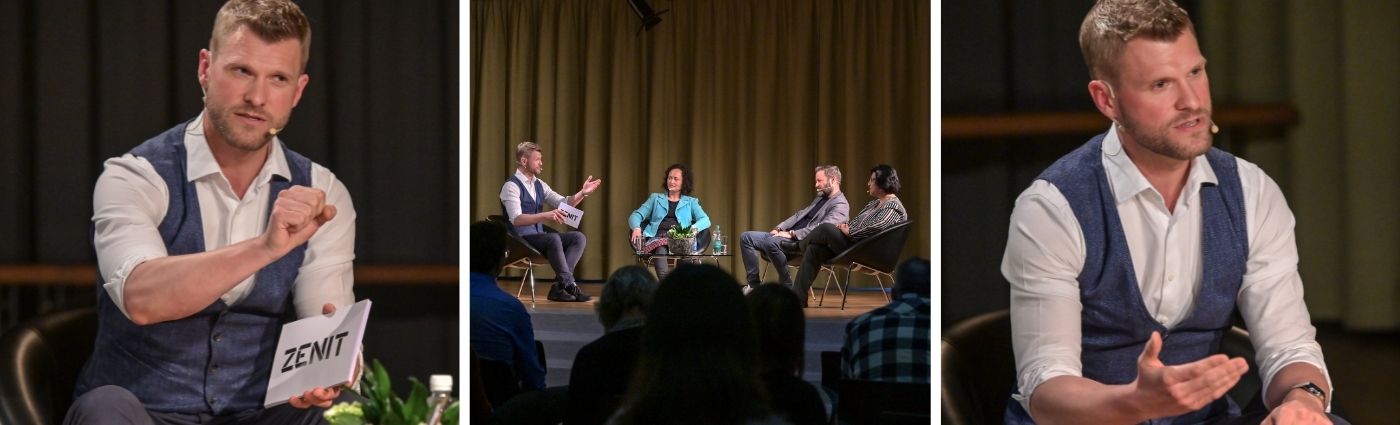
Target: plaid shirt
{"x": 891, "y": 343}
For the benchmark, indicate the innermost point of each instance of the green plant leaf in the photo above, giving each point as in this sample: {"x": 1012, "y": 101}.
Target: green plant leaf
{"x": 381, "y": 378}
{"x": 449, "y": 417}
{"x": 416, "y": 407}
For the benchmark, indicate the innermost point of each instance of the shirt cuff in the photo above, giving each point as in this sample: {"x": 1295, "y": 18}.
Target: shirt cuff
{"x": 115, "y": 285}
{"x": 1296, "y": 356}
{"x": 1034, "y": 377}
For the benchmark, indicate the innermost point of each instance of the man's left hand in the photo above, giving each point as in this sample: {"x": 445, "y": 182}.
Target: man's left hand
{"x": 318, "y": 397}
{"x": 845, "y": 228}
{"x": 590, "y": 185}
{"x": 1298, "y": 407}
{"x": 784, "y": 234}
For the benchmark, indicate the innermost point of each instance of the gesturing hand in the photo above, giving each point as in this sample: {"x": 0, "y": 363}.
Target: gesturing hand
{"x": 297, "y": 214}
{"x": 1163, "y": 390}
{"x": 590, "y": 185}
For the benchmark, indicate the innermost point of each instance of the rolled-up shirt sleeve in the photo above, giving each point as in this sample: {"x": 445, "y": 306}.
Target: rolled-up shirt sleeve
{"x": 327, "y": 273}
{"x": 1271, "y": 295}
{"x": 1044, "y": 255}
{"x": 128, "y": 203}
{"x": 510, "y": 198}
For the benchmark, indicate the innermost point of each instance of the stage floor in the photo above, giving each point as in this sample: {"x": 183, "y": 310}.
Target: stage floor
{"x": 861, "y": 300}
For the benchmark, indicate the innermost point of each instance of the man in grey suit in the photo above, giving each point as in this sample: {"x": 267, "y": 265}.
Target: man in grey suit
{"x": 829, "y": 206}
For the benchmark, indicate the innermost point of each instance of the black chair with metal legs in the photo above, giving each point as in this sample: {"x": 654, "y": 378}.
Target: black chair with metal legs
{"x": 520, "y": 255}
{"x": 877, "y": 255}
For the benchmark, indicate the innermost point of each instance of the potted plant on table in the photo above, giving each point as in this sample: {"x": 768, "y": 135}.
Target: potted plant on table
{"x": 681, "y": 241}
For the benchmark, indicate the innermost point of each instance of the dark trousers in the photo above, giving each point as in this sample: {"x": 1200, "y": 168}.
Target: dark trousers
{"x": 563, "y": 251}
{"x": 821, "y": 245}
{"x": 111, "y": 404}
{"x": 750, "y": 243}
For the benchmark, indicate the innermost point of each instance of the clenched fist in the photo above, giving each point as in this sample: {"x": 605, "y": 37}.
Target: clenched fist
{"x": 297, "y": 214}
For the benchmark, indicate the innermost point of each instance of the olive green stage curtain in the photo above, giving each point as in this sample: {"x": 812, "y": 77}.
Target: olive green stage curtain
{"x": 750, "y": 94}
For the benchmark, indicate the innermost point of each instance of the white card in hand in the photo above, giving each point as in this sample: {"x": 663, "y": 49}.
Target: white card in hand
{"x": 317, "y": 351}
{"x": 572, "y": 216}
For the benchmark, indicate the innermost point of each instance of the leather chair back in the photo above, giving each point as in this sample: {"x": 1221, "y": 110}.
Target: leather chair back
{"x": 39, "y": 364}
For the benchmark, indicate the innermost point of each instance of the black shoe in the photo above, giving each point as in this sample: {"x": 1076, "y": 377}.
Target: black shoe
{"x": 558, "y": 293}
{"x": 578, "y": 294}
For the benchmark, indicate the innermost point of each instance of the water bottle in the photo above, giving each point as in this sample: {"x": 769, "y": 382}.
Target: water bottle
{"x": 718, "y": 246}
{"x": 440, "y": 387}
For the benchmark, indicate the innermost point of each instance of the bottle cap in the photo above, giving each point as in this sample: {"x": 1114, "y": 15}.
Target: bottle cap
{"x": 440, "y": 383}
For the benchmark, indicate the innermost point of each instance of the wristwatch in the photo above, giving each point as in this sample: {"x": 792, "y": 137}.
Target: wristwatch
{"x": 1313, "y": 389}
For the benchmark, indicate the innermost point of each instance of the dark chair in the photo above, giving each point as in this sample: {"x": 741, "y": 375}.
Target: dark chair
{"x": 979, "y": 369}
{"x": 875, "y": 402}
{"x": 498, "y": 378}
{"x": 876, "y": 255}
{"x": 39, "y": 364}
{"x": 520, "y": 255}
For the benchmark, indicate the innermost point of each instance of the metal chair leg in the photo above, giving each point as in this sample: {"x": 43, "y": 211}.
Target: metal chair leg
{"x": 522, "y": 283}
{"x": 829, "y": 274}
{"x": 847, "y": 285}
{"x": 882, "y": 286}
{"x": 531, "y": 274}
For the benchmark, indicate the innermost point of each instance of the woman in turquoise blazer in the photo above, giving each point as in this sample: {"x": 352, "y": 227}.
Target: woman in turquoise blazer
{"x": 660, "y": 211}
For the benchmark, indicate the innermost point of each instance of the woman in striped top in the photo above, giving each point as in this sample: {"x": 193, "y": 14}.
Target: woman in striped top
{"x": 828, "y": 240}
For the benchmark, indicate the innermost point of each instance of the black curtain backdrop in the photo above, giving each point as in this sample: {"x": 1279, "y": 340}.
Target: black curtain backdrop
{"x": 85, "y": 80}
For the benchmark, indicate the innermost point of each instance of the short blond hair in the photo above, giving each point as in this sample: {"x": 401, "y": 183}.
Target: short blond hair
{"x": 524, "y": 148}
{"x": 1110, "y": 24}
{"x": 270, "y": 20}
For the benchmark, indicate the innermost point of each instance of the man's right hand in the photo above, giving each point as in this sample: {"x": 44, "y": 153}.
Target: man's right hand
{"x": 554, "y": 215}
{"x": 1162, "y": 390}
{"x": 298, "y": 213}
{"x": 636, "y": 234}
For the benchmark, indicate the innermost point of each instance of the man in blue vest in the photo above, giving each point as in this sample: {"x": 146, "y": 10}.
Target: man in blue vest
{"x": 527, "y": 202}
{"x": 210, "y": 235}
{"x": 1127, "y": 257}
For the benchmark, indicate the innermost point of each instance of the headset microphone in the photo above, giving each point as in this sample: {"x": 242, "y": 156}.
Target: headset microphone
{"x": 273, "y": 131}
{"x": 1214, "y": 129}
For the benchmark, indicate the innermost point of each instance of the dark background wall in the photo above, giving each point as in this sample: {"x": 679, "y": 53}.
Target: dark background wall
{"x": 85, "y": 80}
{"x": 1000, "y": 57}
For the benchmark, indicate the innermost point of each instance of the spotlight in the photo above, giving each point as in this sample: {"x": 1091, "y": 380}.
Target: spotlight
{"x": 644, "y": 12}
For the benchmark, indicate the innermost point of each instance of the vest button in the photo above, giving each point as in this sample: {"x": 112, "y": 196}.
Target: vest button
{"x": 218, "y": 337}
{"x": 213, "y": 399}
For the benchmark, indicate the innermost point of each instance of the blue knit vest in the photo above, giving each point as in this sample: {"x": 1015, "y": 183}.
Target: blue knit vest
{"x": 528, "y": 205}
{"x": 216, "y": 361}
{"x": 1115, "y": 323}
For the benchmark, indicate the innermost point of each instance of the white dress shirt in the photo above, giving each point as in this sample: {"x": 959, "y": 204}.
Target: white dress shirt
{"x": 510, "y": 195}
{"x": 1045, "y": 253}
{"x": 130, "y": 201}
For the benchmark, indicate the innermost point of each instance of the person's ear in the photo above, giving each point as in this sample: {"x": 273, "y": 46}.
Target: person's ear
{"x": 1105, "y": 99}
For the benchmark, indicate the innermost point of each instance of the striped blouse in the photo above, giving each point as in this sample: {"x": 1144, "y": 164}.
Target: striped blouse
{"x": 875, "y": 217}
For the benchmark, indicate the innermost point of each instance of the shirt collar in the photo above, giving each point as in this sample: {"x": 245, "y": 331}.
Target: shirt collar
{"x": 523, "y": 179}
{"x": 201, "y": 163}
{"x": 1127, "y": 181}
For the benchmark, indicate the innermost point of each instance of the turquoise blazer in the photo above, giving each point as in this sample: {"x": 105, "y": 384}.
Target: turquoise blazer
{"x": 654, "y": 209}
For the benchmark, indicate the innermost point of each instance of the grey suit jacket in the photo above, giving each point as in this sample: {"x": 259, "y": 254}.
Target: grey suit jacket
{"x": 836, "y": 211}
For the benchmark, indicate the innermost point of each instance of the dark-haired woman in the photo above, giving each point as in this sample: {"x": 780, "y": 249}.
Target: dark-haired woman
{"x": 827, "y": 240}
{"x": 672, "y": 208}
